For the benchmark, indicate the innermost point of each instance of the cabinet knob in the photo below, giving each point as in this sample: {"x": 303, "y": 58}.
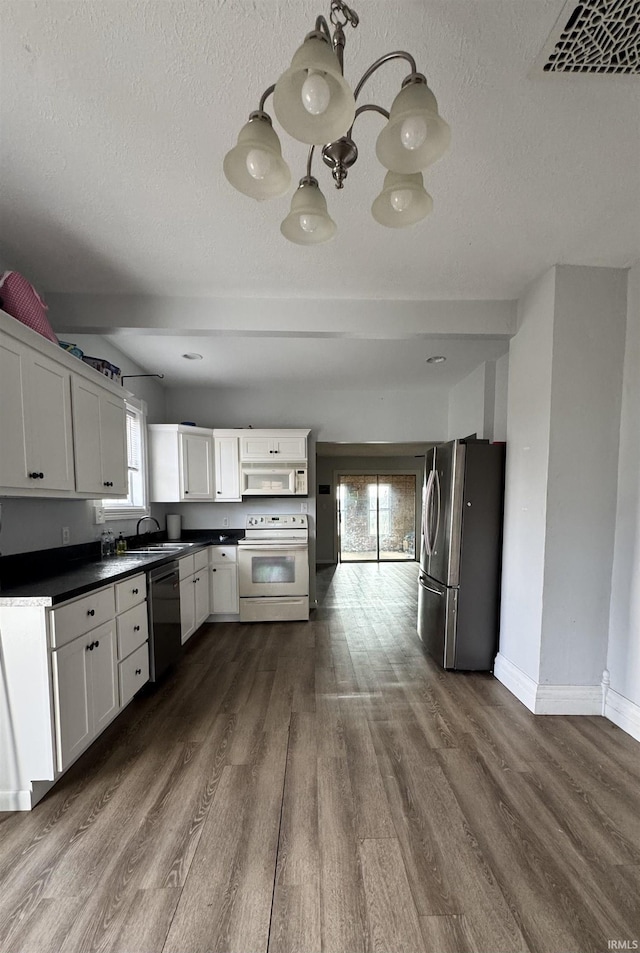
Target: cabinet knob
{"x": 97, "y": 643}
{"x": 89, "y": 648}
{"x": 91, "y": 611}
{"x": 138, "y": 671}
{"x": 135, "y": 592}
{"x": 136, "y": 628}
{"x": 185, "y": 492}
{"x": 218, "y": 491}
{"x": 223, "y": 554}
{"x": 213, "y": 569}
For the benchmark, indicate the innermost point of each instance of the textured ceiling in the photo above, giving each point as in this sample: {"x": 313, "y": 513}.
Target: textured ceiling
{"x": 115, "y": 118}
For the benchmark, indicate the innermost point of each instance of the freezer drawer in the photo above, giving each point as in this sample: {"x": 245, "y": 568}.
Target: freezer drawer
{"x": 437, "y": 611}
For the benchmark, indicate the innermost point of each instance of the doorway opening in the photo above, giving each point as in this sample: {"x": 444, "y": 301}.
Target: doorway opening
{"x": 376, "y": 517}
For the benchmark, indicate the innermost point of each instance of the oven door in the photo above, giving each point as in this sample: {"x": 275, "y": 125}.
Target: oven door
{"x": 273, "y": 569}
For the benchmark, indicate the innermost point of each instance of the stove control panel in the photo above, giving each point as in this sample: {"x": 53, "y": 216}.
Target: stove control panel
{"x": 278, "y": 522}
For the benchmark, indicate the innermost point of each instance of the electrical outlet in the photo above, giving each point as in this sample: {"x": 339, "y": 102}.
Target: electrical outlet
{"x": 225, "y": 521}
{"x": 98, "y": 514}
{"x": 66, "y": 536}
{"x": 304, "y": 507}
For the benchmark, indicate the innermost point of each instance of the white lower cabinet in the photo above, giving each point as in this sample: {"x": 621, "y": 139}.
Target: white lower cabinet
{"x": 132, "y": 626}
{"x": 85, "y": 690}
{"x": 224, "y": 580}
{"x": 194, "y": 593}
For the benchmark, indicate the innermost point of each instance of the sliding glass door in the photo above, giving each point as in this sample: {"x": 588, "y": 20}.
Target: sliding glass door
{"x": 376, "y": 517}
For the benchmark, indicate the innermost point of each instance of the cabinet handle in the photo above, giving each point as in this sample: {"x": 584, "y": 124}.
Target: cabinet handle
{"x": 138, "y": 671}
{"x": 136, "y": 628}
{"x": 135, "y": 592}
{"x": 92, "y": 646}
{"x": 91, "y": 611}
{"x": 108, "y": 483}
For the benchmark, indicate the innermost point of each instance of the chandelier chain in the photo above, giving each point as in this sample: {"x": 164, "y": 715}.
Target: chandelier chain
{"x": 350, "y": 16}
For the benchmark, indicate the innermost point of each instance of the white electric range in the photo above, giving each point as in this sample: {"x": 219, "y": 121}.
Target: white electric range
{"x": 273, "y": 569}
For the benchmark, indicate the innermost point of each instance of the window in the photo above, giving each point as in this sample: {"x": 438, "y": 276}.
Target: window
{"x": 135, "y": 505}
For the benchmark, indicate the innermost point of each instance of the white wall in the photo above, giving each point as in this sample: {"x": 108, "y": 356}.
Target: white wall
{"x": 564, "y": 398}
{"x": 29, "y": 524}
{"x": 588, "y": 358}
{"x": 333, "y": 415}
{"x": 466, "y": 415}
{"x": 623, "y": 660}
{"x": 501, "y": 399}
{"x": 528, "y": 428}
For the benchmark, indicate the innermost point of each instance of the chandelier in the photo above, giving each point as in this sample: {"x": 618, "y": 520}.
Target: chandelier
{"x": 314, "y": 104}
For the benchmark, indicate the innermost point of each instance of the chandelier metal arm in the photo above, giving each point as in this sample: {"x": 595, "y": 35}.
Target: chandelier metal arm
{"x": 323, "y": 27}
{"x": 265, "y": 97}
{"x": 310, "y": 157}
{"x": 396, "y": 55}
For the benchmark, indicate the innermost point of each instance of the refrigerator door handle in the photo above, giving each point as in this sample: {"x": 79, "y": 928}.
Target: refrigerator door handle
{"x": 426, "y": 513}
{"x": 436, "y": 592}
{"x": 437, "y": 499}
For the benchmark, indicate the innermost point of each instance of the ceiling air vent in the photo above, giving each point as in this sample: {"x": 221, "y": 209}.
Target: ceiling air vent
{"x": 594, "y": 36}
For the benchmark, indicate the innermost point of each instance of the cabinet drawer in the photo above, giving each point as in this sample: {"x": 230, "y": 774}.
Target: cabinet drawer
{"x": 186, "y": 566}
{"x": 132, "y": 629}
{"x": 130, "y": 592}
{"x": 80, "y": 616}
{"x": 133, "y": 673}
{"x": 200, "y": 560}
{"x": 223, "y": 554}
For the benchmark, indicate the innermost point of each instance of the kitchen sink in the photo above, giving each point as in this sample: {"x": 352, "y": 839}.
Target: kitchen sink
{"x": 159, "y": 548}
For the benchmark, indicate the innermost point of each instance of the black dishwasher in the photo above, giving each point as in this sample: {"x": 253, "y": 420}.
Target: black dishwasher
{"x": 165, "y": 645}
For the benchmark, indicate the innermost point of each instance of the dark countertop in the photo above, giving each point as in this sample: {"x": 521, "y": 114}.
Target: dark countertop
{"x": 57, "y": 575}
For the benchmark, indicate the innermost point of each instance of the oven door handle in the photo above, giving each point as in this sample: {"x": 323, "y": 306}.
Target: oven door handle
{"x": 273, "y": 547}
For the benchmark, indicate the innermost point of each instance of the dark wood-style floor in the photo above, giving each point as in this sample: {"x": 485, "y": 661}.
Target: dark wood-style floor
{"x": 323, "y": 786}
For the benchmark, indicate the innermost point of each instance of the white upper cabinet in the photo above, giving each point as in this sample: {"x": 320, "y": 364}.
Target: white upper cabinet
{"x": 100, "y": 448}
{"x": 180, "y": 463}
{"x": 35, "y": 421}
{"x": 227, "y": 467}
{"x": 49, "y": 446}
{"x": 269, "y": 445}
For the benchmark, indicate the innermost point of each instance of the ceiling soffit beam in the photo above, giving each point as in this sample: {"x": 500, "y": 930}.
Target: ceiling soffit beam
{"x": 392, "y": 319}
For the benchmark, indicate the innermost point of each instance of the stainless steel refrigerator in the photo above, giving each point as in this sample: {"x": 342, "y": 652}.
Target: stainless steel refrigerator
{"x": 460, "y": 556}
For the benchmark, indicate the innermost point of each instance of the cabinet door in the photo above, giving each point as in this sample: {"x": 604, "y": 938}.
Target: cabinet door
{"x": 104, "y": 676}
{"x": 71, "y": 698}
{"x": 99, "y": 433}
{"x": 201, "y": 596}
{"x": 290, "y": 448}
{"x": 113, "y": 445}
{"x": 255, "y": 448}
{"x": 224, "y": 589}
{"x": 187, "y": 609}
{"x": 86, "y": 437}
{"x": 227, "y": 469}
{"x": 48, "y": 423}
{"x": 197, "y": 466}
{"x": 13, "y": 458}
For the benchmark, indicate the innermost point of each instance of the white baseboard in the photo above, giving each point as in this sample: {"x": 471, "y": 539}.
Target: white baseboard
{"x": 513, "y": 678}
{"x": 548, "y": 699}
{"x": 623, "y": 713}
{"x": 15, "y": 800}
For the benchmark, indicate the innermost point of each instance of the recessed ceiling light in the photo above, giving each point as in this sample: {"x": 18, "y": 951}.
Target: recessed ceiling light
{"x": 436, "y": 359}
{"x": 193, "y": 357}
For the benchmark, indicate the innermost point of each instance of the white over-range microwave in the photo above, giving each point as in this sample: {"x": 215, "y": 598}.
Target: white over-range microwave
{"x": 260, "y": 480}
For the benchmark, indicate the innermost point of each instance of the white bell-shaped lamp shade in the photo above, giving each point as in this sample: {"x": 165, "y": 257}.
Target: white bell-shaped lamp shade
{"x": 311, "y": 99}
{"x": 308, "y": 222}
{"x": 403, "y": 201}
{"x": 415, "y": 135}
{"x": 255, "y": 165}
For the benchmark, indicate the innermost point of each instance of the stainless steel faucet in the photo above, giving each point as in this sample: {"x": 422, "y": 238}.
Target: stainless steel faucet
{"x": 142, "y": 519}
